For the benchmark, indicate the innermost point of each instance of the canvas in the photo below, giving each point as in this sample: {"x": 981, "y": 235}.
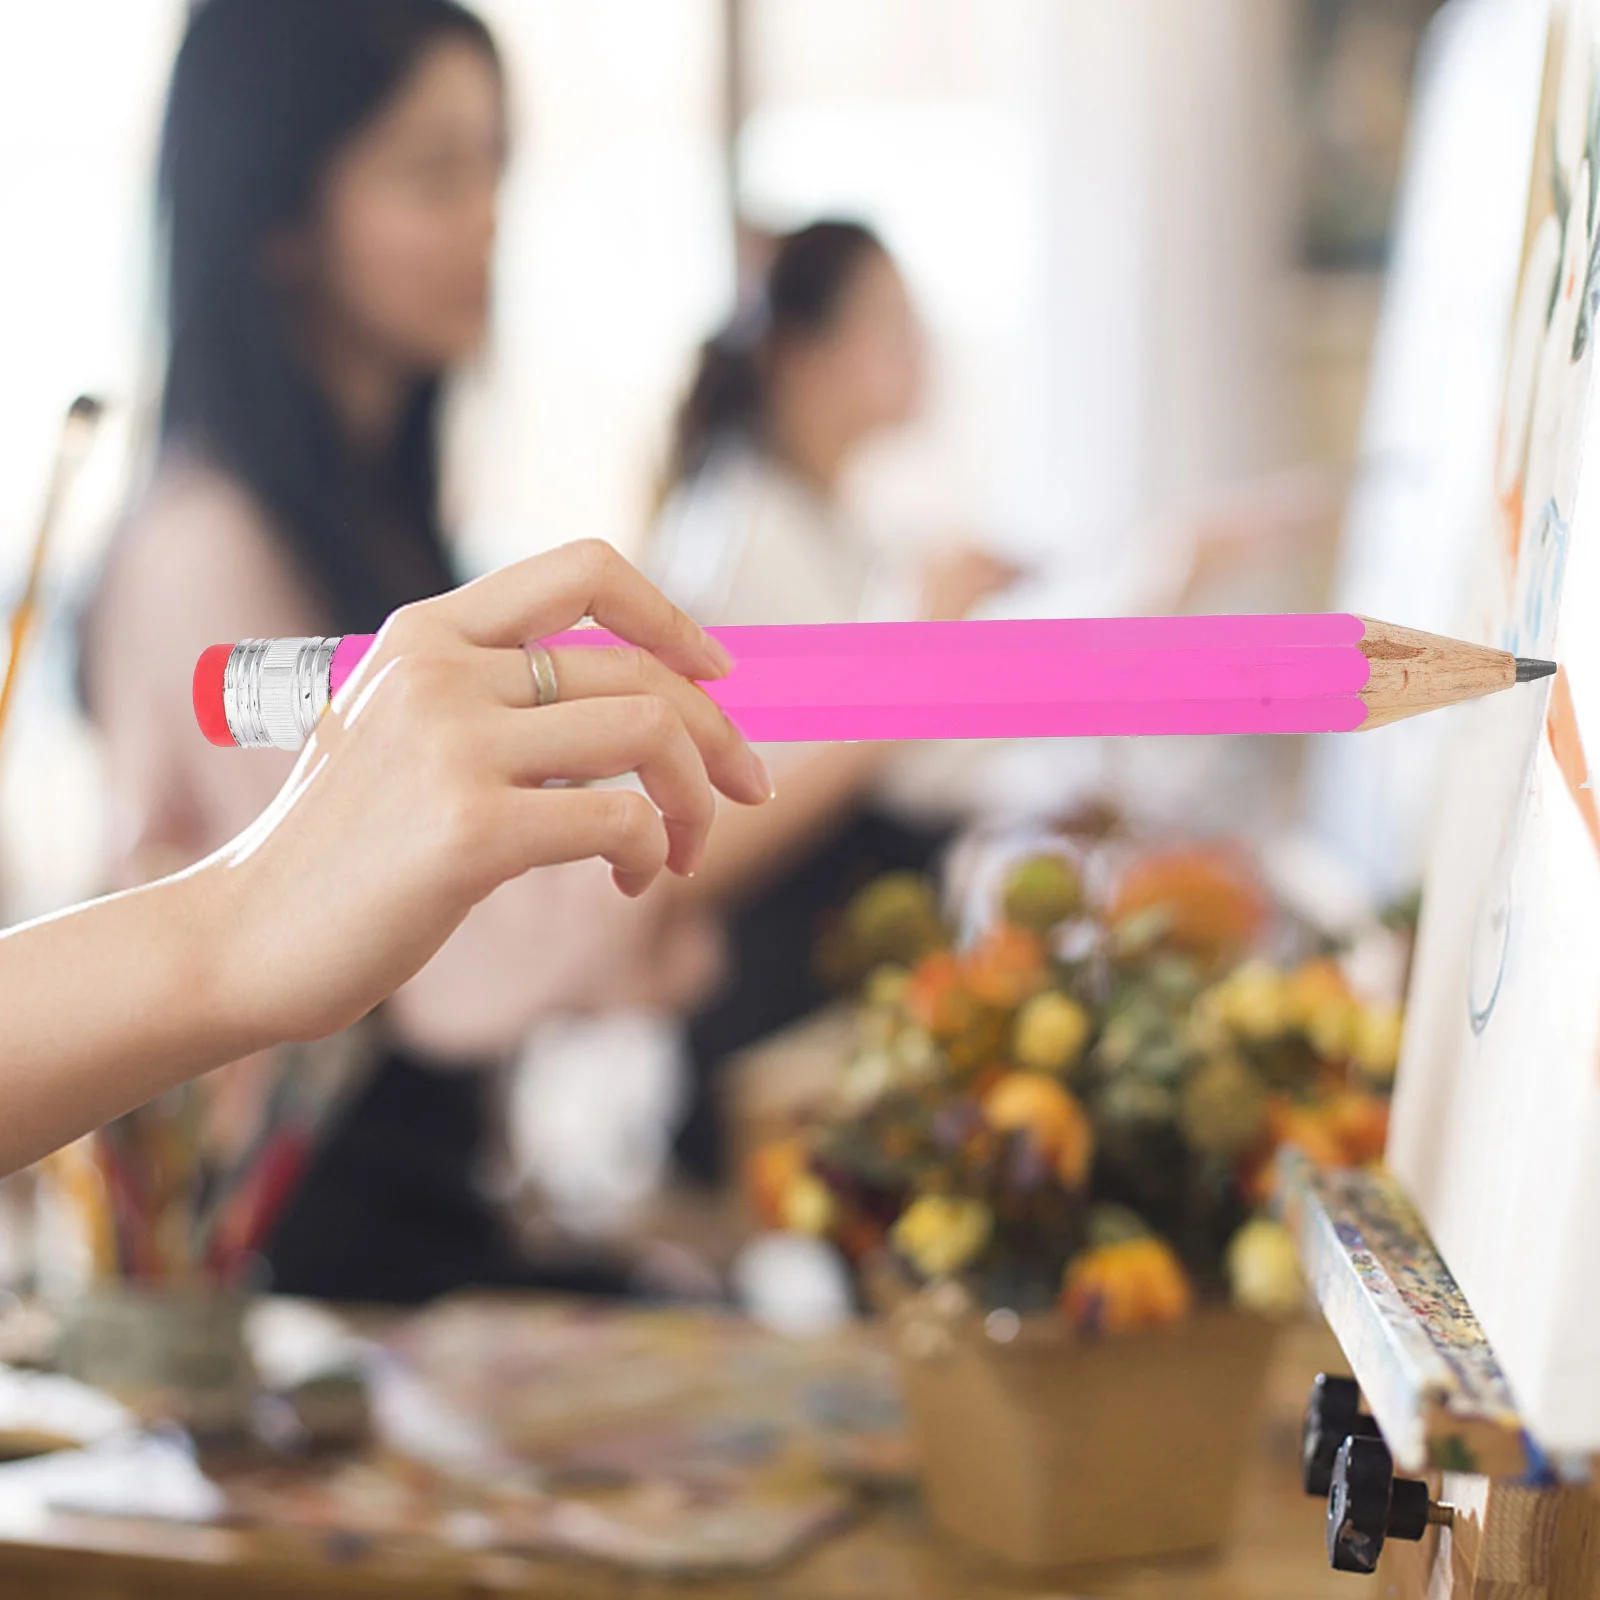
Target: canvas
{"x": 1497, "y": 1116}
{"x": 1433, "y": 406}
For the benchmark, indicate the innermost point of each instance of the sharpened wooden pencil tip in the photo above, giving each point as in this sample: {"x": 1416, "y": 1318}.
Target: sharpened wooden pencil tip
{"x": 1529, "y": 671}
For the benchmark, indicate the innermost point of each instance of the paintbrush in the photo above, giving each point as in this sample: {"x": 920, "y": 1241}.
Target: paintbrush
{"x": 72, "y": 450}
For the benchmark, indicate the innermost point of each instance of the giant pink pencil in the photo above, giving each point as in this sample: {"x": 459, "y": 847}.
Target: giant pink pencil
{"x": 1113, "y": 676}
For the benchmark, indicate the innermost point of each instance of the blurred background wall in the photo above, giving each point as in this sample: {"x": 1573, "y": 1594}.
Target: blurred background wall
{"x": 1148, "y": 238}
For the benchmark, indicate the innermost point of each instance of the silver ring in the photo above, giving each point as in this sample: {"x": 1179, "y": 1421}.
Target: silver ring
{"x": 546, "y": 691}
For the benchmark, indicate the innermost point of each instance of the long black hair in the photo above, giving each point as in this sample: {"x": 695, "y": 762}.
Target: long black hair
{"x": 263, "y": 95}
{"x": 809, "y": 275}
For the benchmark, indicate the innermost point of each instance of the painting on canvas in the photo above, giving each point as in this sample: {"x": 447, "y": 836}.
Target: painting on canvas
{"x": 1497, "y": 1116}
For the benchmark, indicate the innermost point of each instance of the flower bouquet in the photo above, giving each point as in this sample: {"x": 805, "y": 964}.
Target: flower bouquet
{"x": 1050, "y": 1154}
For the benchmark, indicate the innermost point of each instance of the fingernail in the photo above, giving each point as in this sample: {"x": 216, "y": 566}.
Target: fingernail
{"x": 718, "y": 652}
{"x": 763, "y": 778}
{"x": 687, "y": 851}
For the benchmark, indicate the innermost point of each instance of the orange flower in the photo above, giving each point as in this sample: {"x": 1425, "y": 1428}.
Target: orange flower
{"x": 1348, "y": 1129}
{"x": 1209, "y": 897}
{"x": 1360, "y": 1122}
{"x": 1028, "y": 1103}
{"x": 1309, "y": 1129}
{"x": 937, "y": 998}
{"x": 1007, "y": 967}
{"x": 1137, "y": 1283}
{"x": 1256, "y": 1176}
{"x": 770, "y": 1173}
{"x": 1311, "y": 986}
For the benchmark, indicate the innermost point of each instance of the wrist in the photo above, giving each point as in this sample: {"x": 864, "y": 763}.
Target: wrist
{"x": 206, "y": 964}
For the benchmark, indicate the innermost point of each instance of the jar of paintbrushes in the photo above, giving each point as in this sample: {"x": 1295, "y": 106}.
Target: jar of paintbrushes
{"x": 171, "y": 1206}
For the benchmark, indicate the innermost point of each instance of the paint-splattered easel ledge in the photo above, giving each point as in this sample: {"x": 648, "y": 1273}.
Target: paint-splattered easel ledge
{"x": 1423, "y": 1363}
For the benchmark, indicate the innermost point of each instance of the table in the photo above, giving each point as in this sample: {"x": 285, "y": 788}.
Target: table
{"x": 887, "y": 1555}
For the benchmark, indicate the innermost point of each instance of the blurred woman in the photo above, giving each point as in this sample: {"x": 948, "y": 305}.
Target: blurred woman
{"x": 756, "y": 529}
{"x": 329, "y": 179}
{"x": 828, "y": 358}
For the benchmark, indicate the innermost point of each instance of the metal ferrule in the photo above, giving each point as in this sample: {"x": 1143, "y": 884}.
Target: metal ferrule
{"x": 274, "y": 690}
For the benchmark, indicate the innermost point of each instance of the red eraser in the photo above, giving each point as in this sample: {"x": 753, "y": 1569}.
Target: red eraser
{"x": 209, "y": 710}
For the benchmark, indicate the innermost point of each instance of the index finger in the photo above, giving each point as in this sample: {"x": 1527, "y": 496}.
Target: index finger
{"x": 547, "y": 594}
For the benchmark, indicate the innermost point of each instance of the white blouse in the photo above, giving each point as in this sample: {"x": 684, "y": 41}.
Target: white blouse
{"x": 748, "y": 541}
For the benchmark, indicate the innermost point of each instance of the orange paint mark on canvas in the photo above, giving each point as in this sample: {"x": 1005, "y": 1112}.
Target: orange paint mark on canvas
{"x": 1510, "y": 508}
{"x": 1567, "y": 746}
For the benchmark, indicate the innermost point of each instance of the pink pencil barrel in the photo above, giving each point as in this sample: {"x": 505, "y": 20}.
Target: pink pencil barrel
{"x": 1113, "y": 677}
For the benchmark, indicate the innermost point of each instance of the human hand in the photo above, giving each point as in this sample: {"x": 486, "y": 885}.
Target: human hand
{"x": 956, "y": 582}
{"x": 420, "y": 792}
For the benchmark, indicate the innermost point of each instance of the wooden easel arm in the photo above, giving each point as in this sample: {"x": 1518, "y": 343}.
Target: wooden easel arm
{"x": 1414, "y": 1346}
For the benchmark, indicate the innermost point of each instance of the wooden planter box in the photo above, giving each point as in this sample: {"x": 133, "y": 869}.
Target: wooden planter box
{"x": 1053, "y": 1450}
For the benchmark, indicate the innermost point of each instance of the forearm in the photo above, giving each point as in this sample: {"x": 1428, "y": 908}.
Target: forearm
{"x": 749, "y": 848}
{"x": 409, "y": 806}
{"x": 107, "y": 1005}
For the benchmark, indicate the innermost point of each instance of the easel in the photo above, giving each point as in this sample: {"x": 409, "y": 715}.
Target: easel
{"x": 1502, "y": 1523}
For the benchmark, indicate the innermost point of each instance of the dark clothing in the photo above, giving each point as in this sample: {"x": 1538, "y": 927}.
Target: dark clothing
{"x": 388, "y": 1210}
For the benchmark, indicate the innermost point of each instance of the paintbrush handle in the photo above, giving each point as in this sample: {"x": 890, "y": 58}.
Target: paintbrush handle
{"x": 77, "y": 432}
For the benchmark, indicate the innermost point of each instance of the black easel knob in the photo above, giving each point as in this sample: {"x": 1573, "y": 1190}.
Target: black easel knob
{"x": 1368, "y": 1504}
{"x": 1333, "y": 1414}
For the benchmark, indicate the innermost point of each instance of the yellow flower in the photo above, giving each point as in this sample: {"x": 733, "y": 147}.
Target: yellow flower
{"x": 1331, "y": 1029}
{"x": 1223, "y": 1107}
{"x": 1311, "y": 987}
{"x": 1119, "y": 1041}
{"x": 1377, "y": 1041}
{"x": 1264, "y": 1270}
{"x": 1042, "y": 892}
{"x": 896, "y": 918}
{"x": 1136, "y": 1283}
{"x": 940, "y": 1235}
{"x": 916, "y": 1057}
{"x": 877, "y": 1028}
{"x": 1318, "y": 1002}
{"x": 1250, "y": 1001}
{"x": 1051, "y": 1031}
{"x": 886, "y": 988}
{"x": 808, "y": 1206}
